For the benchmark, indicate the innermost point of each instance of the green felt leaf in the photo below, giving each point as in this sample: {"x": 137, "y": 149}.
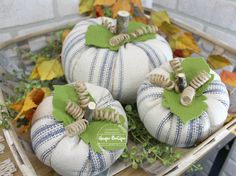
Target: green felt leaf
{"x": 192, "y": 67}
{"x": 99, "y": 36}
{"x": 63, "y": 94}
{"x": 106, "y": 135}
{"x": 172, "y": 101}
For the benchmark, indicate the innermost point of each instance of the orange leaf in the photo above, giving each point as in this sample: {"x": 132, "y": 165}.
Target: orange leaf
{"x": 104, "y": 2}
{"x": 121, "y": 5}
{"x": 138, "y": 15}
{"x": 229, "y": 78}
{"x": 26, "y": 107}
{"x": 218, "y": 61}
{"x": 99, "y": 11}
{"x": 17, "y": 106}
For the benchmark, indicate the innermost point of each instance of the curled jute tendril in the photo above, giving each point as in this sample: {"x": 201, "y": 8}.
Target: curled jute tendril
{"x": 103, "y": 114}
{"x": 151, "y": 29}
{"x": 121, "y": 38}
{"x": 108, "y": 25}
{"x": 176, "y": 66}
{"x": 187, "y": 96}
{"x": 83, "y": 94}
{"x": 200, "y": 79}
{"x": 162, "y": 81}
{"x": 76, "y": 128}
{"x": 74, "y": 110}
{"x": 118, "y": 39}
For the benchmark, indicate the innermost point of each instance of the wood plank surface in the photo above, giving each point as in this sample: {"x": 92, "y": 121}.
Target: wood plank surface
{"x": 7, "y": 154}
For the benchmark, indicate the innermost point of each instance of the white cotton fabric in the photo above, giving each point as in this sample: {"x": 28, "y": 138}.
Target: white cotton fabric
{"x": 120, "y": 72}
{"x": 70, "y": 156}
{"x": 167, "y": 127}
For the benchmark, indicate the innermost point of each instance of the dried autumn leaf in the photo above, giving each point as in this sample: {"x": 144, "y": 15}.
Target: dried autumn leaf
{"x": 160, "y": 17}
{"x": 169, "y": 29}
{"x": 27, "y": 106}
{"x": 64, "y": 34}
{"x": 34, "y": 73}
{"x": 85, "y": 6}
{"x": 104, "y": 2}
{"x": 138, "y": 4}
{"x": 47, "y": 69}
{"x": 99, "y": 11}
{"x": 139, "y": 16}
{"x": 229, "y": 78}
{"x": 185, "y": 42}
{"x": 218, "y": 61}
{"x": 121, "y": 5}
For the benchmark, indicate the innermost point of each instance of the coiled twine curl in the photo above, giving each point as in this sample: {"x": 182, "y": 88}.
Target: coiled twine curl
{"x": 162, "y": 81}
{"x": 104, "y": 114}
{"x": 76, "y": 128}
{"x": 74, "y": 110}
{"x": 144, "y": 30}
{"x": 121, "y": 38}
{"x": 108, "y": 24}
{"x": 118, "y": 39}
{"x": 200, "y": 79}
{"x": 176, "y": 66}
{"x": 83, "y": 94}
{"x": 187, "y": 96}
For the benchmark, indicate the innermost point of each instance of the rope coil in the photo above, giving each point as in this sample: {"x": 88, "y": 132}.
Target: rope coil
{"x": 74, "y": 110}
{"x": 162, "y": 81}
{"x": 76, "y": 128}
{"x": 83, "y": 94}
{"x": 176, "y": 66}
{"x": 108, "y": 25}
{"x": 200, "y": 79}
{"x": 103, "y": 114}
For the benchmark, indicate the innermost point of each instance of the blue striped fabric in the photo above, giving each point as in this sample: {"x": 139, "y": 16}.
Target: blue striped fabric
{"x": 105, "y": 67}
{"x": 167, "y": 127}
{"x": 47, "y": 134}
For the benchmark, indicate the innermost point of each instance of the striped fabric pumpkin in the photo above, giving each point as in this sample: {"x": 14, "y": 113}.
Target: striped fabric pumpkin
{"x": 120, "y": 72}
{"x": 70, "y": 156}
{"x": 167, "y": 127}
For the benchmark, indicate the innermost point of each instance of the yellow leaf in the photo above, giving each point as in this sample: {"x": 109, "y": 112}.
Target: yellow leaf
{"x": 47, "y": 91}
{"x": 229, "y": 78}
{"x": 50, "y": 69}
{"x": 218, "y": 61}
{"x": 230, "y": 117}
{"x": 160, "y": 17}
{"x": 104, "y": 2}
{"x": 169, "y": 29}
{"x": 28, "y": 105}
{"x": 120, "y": 5}
{"x": 64, "y": 34}
{"x": 34, "y": 73}
{"x": 17, "y": 106}
{"x": 234, "y": 132}
{"x": 85, "y": 6}
{"x": 184, "y": 41}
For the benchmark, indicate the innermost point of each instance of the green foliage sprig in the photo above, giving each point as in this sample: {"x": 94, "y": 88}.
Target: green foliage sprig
{"x": 146, "y": 148}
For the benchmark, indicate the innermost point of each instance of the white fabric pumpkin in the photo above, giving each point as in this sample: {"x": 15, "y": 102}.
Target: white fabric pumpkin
{"x": 167, "y": 127}
{"x": 120, "y": 72}
{"x": 70, "y": 156}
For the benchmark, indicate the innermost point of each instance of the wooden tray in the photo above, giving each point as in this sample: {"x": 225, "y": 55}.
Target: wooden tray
{"x": 28, "y": 163}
